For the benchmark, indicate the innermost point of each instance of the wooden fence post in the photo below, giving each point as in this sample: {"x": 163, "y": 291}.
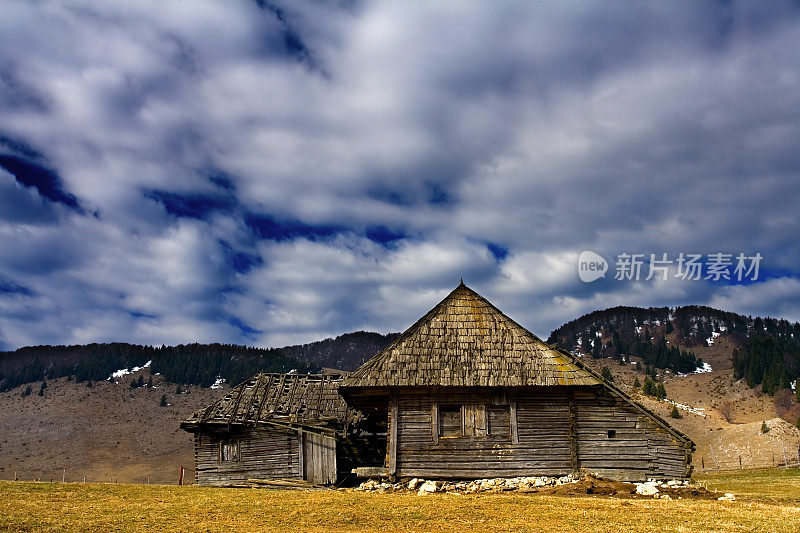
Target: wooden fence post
{"x": 180, "y": 475}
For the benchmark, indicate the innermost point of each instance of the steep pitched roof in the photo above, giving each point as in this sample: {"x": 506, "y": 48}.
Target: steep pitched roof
{"x": 295, "y": 400}
{"x": 465, "y": 341}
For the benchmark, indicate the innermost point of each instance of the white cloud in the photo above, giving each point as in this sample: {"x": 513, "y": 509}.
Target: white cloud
{"x": 542, "y": 131}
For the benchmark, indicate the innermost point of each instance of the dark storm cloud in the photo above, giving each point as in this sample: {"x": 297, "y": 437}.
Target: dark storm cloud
{"x": 274, "y": 172}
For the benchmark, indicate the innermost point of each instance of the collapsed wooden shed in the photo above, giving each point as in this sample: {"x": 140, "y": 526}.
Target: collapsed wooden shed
{"x": 277, "y": 426}
{"x": 469, "y": 393}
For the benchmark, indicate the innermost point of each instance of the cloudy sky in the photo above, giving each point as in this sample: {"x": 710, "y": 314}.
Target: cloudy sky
{"x": 272, "y": 173}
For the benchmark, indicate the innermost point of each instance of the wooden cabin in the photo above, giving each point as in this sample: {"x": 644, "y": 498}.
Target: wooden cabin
{"x": 469, "y": 393}
{"x": 276, "y": 426}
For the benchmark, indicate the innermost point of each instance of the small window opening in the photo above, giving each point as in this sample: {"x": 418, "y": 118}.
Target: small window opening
{"x": 229, "y": 451}
{"x": 612, "y": 433}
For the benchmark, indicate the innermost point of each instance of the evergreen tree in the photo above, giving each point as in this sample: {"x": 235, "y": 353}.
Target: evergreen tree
{"x": 178, "y": 390}
{"x": 27, "y": 391}
{"x": 150, "y": 382}
{"x": 636, "y": 383}
{"x": 163, "y": 400}
{"x": 42, "y": 388}
{"x": 660, "y": 391}
{"x": 140, "y": 382}
{"x": 133, "y": 384}
{"x": 675, "y": 413}
{"x": 648, "y": 386}
{"x": 606, "y": 373}
{"x": 764, "y": 427}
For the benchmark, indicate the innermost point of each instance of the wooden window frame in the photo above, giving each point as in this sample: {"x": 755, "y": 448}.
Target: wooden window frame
{"x": 223, "y": 444}
{"x": 475, "y": 430}
{"x": 438, "y": 408}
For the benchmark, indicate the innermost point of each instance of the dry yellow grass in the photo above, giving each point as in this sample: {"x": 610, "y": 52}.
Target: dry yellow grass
{"x": 27, "y": 506}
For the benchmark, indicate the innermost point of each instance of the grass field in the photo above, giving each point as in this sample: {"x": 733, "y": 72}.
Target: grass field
{"x": 768, "y": 500}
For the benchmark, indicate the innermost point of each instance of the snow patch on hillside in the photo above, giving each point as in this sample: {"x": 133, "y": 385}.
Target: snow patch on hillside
{"x": 124, "y": 371}
{"x": 688, "y": 408}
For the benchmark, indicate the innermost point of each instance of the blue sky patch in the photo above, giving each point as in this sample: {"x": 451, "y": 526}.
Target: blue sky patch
{"x": 270, "y": 228}
{"x": 43, "y": 179}
{"x": 197, "y": 206}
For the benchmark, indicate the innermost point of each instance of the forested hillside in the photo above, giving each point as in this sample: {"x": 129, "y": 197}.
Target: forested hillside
{"x": 191, "y": 364}
{"x": 188, "y": 364}
{"x": 768, "y": 352}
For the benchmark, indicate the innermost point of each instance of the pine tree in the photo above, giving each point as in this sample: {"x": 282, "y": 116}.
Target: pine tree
{"x": 163, "y": 400}
{"x": 150, "y": 382}
{"x": 660, "y": 391}
{"x": 178, "y": 390}
{"x": 27, "y": 391}
{"x": 648, "y": 386}
{"x": 636, "y": 383}
{"x": 675, "y": 413}
{"x": 606, "y": 373}
{"x": 764, "y": 427}
{"x": 42, "y": 388}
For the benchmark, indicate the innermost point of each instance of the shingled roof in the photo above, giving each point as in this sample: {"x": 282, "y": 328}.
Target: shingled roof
{"x": 465, "y": 341}
{"x": 294, "y": 400}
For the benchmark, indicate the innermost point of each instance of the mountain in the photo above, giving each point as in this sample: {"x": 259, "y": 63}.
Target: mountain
{"x": 186, "y": 364}
{"x": 766, "y": 351}
{"x": 345, "y": 352}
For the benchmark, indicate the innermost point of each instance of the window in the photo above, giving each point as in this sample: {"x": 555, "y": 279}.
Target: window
{"x": 472, "y": 420}
{"x": 229, "y": 451}
{"x": 449, "y": 420}
{"x": 499, "y": 419}
{"x": 612, "y": 433}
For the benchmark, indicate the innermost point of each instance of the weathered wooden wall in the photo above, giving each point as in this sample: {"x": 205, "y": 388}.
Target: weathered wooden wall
{"x": 264, "y": 454}
{"x": 639, "y": 447}
{"x": 558, "y": 431}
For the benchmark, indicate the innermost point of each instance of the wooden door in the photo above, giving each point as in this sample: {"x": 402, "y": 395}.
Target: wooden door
{"x": 319, "y": 459}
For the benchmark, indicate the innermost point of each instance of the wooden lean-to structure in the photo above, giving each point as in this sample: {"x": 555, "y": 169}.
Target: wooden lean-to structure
{"x": 277, "y": 426}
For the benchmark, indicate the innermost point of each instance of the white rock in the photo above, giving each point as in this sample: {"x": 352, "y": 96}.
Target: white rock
{"x": 728, "y": 497}
{"x": 649, "y": 488}
{"x": 428, "y": 487}
{"x": 414, "y": 483}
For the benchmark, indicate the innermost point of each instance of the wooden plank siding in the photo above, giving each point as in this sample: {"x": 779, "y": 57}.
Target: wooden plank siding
{"x": 264, "y": 453}
{"x": 558, "y": 430}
